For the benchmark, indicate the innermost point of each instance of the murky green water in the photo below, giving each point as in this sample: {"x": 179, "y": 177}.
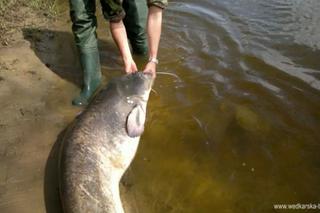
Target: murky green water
{"x": 237, "y": 130}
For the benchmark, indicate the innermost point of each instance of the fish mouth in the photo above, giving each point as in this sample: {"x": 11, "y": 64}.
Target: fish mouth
{"x": 147, "y": 77}
{"x": 145, "y": 82}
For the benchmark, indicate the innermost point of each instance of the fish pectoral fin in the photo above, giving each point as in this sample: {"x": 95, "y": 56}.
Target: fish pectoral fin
{"x": 135, "y": 121}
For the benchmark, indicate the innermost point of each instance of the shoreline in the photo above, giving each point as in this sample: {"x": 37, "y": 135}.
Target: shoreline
{"x": 39, "y": 76}
{"x": 19, "y": 14}
{"x": 34, "y": 111}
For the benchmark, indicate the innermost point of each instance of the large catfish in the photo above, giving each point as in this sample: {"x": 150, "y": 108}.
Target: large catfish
{"x": 100, "y": 145}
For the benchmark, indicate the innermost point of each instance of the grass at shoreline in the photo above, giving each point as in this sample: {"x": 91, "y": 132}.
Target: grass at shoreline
{"x": 4, "y": 4}
{"x": 49, "y": 7}
{"x": 15, "y": 14}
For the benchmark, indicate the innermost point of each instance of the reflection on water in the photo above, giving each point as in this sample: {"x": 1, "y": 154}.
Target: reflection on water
{"x": 238, "y": 131}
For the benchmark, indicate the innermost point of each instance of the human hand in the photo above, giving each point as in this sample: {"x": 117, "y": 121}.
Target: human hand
{"x": 150, "y": 68}
{"x": 130, "y": 66}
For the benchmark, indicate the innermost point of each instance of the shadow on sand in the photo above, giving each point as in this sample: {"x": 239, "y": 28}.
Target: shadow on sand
{"x": 51, "y": 178}
{"x": 57, "y": 51}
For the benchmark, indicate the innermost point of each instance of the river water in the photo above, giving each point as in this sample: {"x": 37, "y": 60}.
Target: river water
{"x": 239, "y": 130}
{"x": 234, "y": 128}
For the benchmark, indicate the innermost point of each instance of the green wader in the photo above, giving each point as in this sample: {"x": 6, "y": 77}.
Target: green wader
{"x": 84, "y": 25}
{"x": 135, "y": 22}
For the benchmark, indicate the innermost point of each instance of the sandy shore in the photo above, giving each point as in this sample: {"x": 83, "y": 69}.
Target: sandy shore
{"x": 39, "y": 76}
{"x": 35, "y": 107}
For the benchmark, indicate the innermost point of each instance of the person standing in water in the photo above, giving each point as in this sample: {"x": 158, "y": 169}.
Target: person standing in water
{"x": 128, "y": 19}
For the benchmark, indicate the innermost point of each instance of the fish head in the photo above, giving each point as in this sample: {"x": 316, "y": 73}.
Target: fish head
{"x": 135, "y": 88}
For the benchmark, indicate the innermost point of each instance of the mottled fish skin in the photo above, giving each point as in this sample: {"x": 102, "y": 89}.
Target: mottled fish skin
{"x": 97, "y": 149}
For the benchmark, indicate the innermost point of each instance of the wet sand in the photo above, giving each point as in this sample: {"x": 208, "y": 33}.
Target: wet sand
{"x": 237, "y": 132}
{"x": 39, "y": 76}
{"x": 35, "y": 107}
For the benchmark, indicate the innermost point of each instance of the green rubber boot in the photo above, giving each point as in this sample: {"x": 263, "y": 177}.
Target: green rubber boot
{"x": 135, "y": 23}
{"x": 90, "y": 63}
